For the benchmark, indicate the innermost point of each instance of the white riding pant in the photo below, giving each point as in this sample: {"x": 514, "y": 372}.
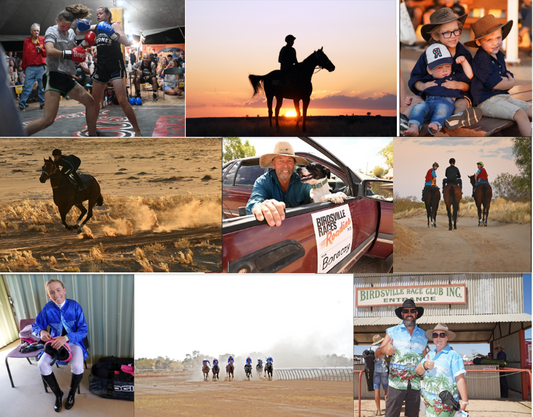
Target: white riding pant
{"x": 76, "y": 362}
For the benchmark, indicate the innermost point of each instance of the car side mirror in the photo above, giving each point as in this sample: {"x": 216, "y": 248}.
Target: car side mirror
{"x": 381, "y": 190}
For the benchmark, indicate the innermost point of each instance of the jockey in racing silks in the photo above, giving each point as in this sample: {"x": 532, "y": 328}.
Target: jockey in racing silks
{"x": 270, "y": 360}
{"x": 230, "y": 359}
{"x": 260, "y": 362}
{"x": 431, "y": 178}
{"x": 205, "y": 360}
{"x": 215, "y": 361}
{"x": 480, "y": 177}
{"x": 248, "y": 361}
{"x": 68, "y": 165}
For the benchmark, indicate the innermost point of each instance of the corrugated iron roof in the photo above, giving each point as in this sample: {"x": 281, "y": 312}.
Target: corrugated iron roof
{"x": 481, "y": 318}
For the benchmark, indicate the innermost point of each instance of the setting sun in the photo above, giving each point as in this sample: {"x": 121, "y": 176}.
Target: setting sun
{"x": 291, "y": 113}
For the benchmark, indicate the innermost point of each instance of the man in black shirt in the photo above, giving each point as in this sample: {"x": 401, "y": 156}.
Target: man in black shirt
{"x": 452, "y": 175}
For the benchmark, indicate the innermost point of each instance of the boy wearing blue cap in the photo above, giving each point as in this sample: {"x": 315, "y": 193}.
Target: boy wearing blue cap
{"x": 439, "y": 102}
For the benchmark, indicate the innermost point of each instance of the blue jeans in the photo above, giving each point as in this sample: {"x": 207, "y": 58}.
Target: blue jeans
{"x": 32, "y": 74}
{"x": 435, "y": 109}
{"x": 480, "y": 181}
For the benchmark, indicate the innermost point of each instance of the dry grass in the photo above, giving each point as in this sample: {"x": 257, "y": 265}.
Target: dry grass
{"x": 71, "y": 269}
{"x": 19, "y": 261}
{"x": 154, "y": 247}
{"x": 97, "y": 253}
{"x": 182, "y": 244}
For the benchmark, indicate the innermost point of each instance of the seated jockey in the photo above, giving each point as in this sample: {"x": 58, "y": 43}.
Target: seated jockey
{"x": 68, "y": 164}
{"x": 481, "y": 176}
{"x": 270, "y": 360}
{"x": 215, "y": 361}
{"x": 453, "y": 176}
{"x": 230, "y": 359}
{"x": 259, "y": 362}
{"x": 431, "y": 178}
{"x": 204, "y": 363}
{"x": 248, "y": 361}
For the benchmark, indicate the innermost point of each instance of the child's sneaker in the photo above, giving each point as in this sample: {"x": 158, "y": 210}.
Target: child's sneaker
{"x": 467, "y": 118}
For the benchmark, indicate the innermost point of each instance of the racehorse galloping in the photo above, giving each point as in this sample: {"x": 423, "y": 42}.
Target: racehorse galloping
{"x": 248, "y": 370}
{"x": 431, "y": 199}
{"x": 452, "y": 196}
{"x": 205, "y": 370}
{"x": 269, "y": 370}
{"x": 229, "y": 370}
{"x": 66, "y": 196}
{"x": 215, "y": 371}
{"x": 482, "y": 197}
{"x": 259, "y": 369}
{"x": 298, "y": 88}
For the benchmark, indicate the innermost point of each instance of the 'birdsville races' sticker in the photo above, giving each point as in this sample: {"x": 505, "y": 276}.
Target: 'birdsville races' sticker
{"x": 334, "y": 233}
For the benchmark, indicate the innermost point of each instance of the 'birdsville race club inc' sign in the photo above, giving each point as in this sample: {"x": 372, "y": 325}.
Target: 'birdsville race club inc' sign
{"x": 422, "y": 294}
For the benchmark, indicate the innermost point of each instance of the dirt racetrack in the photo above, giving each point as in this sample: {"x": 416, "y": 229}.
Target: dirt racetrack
{"x": 496, "y": 248}
{"x": 179, "y": 396}
{"x": 161, "y": 211}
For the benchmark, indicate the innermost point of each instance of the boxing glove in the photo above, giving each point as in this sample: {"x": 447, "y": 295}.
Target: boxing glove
{"x": 83, "y": 25}
{"x": 77, "y": 54}
{"x": 89, "y": 40}
{"x": 106, "y": 28}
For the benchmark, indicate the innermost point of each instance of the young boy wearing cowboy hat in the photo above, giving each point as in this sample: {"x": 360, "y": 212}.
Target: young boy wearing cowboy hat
{"x": 492, "y": 81}
{"x": 278, "y": 188}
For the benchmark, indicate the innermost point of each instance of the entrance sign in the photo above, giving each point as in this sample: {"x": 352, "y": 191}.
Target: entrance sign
{"x": 421, "y": 294}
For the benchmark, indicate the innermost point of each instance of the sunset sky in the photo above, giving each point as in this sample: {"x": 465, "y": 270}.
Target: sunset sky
{"x": 227, "y": 41}
{"x": 413, "y": 158}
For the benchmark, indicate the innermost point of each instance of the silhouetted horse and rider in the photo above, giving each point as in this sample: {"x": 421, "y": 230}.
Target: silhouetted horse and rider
{"x": 292, "y": 81}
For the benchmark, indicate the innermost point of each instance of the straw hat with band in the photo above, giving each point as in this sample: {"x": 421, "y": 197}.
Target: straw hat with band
{"x": 441, "y": 327}
{"x": 409, "y": 304}
{"x": 377, "y": 339}
{"x": 281, "y": 149}
{"x": 485, "y": 26}
{"x": 440, "y": 17}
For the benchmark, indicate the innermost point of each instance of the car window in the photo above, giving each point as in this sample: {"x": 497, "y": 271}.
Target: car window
{"x": 228, "y": 179}
{"x": 379, "y": 190}
{"x": 248, "y": 174}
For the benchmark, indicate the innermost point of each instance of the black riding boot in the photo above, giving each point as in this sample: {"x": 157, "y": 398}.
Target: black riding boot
{"x": 54, "y": 386}
{"x": 81, "y": 185}
{"x": 75, "y": 381}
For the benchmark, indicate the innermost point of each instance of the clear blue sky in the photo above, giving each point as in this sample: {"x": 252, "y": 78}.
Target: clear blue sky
{"x": 466, "y": 349}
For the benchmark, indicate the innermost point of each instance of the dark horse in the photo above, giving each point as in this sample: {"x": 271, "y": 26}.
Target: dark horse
{"x": 432, "y": 198}
{"x": 248, "y": 370}
{"x": 215, "y": 371}
{"x": 482, "y": 196}
{"x": 67, "y": 195}
{"x": 259, "y": 369}
{"x": 298, "y": 88}
{"x": 229, "y": 370}
{"x": 452, "y": 196}
{"x": 205, "y": 370}
{"x": 269, "y": 370}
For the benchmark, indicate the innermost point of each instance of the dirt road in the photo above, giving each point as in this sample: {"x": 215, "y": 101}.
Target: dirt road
{"x": 179, "y": 396}
{"x": 469, "y": 248}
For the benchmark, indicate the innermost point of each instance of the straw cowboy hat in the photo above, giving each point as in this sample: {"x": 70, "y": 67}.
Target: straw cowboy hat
{"x": 409, "y": 304}
{"x": 485, "y": 26}
{"x": 440, "y": 17}
{"x": 377, "y": 339}
{"x": 442, "y": 327}
{"x": 281, "y": 149}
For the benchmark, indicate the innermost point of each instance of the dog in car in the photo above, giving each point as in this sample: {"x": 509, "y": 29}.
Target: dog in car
{"x": 317, "y": 175}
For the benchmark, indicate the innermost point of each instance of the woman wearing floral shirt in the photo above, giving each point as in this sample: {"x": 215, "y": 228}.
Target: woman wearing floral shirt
{"x": 442, "y": 370}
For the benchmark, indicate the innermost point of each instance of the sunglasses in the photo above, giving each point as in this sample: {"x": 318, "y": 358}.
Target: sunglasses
{"x": 441, "y": 335}
{"x": 409, "y": 310}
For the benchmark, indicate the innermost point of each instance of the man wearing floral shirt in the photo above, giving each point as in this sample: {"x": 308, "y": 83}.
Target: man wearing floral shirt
{"x": 407, "y": 344}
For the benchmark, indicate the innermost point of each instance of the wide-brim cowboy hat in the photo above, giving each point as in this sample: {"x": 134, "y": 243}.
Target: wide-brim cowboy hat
{"x": 281, "y": 149}
{"x": 440, "y": 17}
{"x": 487, "y": 25}
{"x": 377, "y": 339}
{"x": 441, "y": 327}
{"x": 409, "y": 304}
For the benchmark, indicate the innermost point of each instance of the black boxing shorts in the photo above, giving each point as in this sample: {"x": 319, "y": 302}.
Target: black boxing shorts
{"x": 58, "y": 82}
{"x": 103, "y": 73}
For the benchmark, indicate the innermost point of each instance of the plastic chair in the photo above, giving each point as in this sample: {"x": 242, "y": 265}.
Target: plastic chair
{"x": 15, "y": 354}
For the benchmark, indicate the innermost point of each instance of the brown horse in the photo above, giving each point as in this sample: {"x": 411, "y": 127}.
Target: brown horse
{"x": 482, "y": 197}
{"x": 67, "y": 195}
{"x": 431, "y": 199}
{"x": 229, "y": 370}
{"x": 298, "y": 88}
{"x": 205, "y": 370}
{"x": 215, "y": 370}
{"x": 452, "y": 196}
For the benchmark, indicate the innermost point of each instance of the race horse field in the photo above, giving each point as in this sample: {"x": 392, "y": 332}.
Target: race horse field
{"x": 160, "y": 213}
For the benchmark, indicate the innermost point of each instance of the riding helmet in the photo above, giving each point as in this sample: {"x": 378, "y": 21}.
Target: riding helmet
{"x": 56, "y": 152}
{"x": 435, "y": 164}
{"x": 452, "y": 160}
{"x": 289, "y": 38}
{"x": 63, "y": 354}
{"x": 480, "y": 163}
